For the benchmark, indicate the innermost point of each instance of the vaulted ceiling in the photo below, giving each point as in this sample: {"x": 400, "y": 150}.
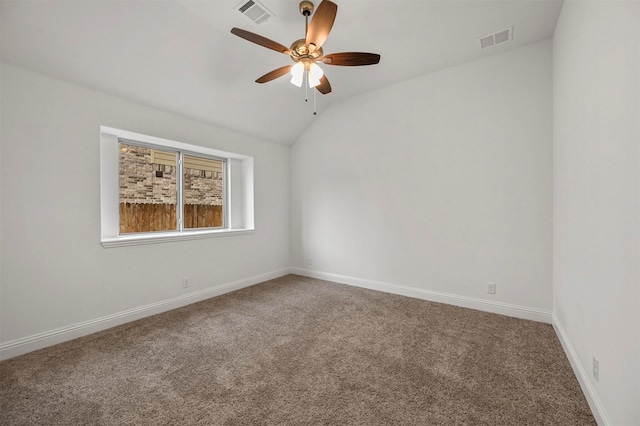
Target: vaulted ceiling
{"x": 180, "y": 56}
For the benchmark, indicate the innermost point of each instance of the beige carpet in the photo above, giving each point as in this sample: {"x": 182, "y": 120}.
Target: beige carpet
{"x": 301, "y": 351}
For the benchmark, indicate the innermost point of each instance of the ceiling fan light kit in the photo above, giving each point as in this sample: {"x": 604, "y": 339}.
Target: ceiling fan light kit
{"x": 307, "y": 52}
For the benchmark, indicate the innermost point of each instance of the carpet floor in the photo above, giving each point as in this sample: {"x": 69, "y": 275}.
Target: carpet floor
{"x": 301, "y": 351}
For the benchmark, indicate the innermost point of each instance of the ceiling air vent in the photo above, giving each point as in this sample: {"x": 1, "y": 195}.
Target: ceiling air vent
{"x": 496, "y": 38}
{"x": 254, "y": 10}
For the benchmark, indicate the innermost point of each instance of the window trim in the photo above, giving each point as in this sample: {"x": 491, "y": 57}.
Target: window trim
{"x": 239, "y": 191}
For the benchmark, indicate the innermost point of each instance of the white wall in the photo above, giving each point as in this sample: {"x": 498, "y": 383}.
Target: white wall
{"x": 596, "y": 52}
{"x": 55, "y": 274}
{"x": 1, "y": 237}
{"x": 435, "y": 186}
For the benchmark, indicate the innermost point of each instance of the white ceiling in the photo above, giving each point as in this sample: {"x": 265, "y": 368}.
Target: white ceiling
{"x": 180, "y": 56}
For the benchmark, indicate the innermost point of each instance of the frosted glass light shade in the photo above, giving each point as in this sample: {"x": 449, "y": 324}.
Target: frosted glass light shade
{"x": 315, "y": 74}
{"x": 297, "y": 73}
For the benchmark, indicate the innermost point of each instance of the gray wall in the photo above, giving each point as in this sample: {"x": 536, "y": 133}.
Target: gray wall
{"x": 596, "y": 277}
{"x": 55, "y": 274}
{"x": 436, "y": 186}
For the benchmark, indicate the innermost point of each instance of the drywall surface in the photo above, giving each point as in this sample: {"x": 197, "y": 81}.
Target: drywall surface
{"x": 0, "y": 202}
{"x": 55, "y": 273}
{"x": 596, "y": 52}
{"x": 440, "y": 183}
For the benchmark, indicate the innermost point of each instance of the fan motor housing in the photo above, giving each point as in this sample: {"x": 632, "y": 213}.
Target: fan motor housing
{"x": 300, "y": 51}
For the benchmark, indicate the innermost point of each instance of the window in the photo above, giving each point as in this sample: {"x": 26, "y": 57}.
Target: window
{"x": 151, "y": 184}
{"x": 156, "y": 190}
{"x": 148, "y": 189}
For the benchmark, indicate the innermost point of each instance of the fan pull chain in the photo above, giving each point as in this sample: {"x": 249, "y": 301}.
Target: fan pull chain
{"x": 315, "y": 110}
{"x": 306, "y": 87}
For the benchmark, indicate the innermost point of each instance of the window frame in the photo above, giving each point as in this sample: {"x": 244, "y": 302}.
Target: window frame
{"x": 237, "y": 188}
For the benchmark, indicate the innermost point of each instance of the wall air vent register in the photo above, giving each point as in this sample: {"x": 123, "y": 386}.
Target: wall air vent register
{"x": 254, "y": 10}
{"x": 496, "y": 38}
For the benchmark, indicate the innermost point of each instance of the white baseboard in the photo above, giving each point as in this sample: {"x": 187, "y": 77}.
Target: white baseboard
{"x": 63, "y": 334}
{"x": 42, "y": 340}
{"x": 433, "y": 296}
{"x": 583, "y": 376}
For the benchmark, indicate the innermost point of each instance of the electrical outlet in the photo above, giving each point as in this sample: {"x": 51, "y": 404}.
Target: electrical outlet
{"x": 185, "y": 282}
{"x": 491, "y": 288}
{"x": 308, "y": 261}
{"x": 596, "y": 369}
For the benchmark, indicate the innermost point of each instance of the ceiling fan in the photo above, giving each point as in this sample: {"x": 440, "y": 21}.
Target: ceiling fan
{"x": 307, "y": 52}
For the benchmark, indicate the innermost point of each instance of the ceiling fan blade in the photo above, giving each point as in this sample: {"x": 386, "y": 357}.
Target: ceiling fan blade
{"x": 274, "y": 74}
{"x": 351, "y": 59}
{"x": 321, "y": 23}
{"x": 324, "y": 87}
{"x": 262, "y": 41}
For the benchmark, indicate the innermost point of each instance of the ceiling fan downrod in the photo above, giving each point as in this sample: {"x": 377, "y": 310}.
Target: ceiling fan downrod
{"x": 306, "y": 9}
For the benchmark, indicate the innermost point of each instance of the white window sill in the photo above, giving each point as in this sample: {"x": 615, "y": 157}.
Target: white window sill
{"x": 164, "y": 237}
